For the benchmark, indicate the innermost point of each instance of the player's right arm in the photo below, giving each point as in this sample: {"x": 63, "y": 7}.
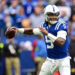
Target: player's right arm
{"x": 12, "y": 31}
{"x": 30, "y": 31}
{"x": 25, "y": 30}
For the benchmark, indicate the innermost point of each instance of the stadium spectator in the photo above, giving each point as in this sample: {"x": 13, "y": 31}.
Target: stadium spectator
{"x": 46, "y": 2}
{"x": 37, "y": 18}
{"x": 63, "y": 17}
{"x": 8, "y": 2}
{"x": 61, "y": 3}
{"x": 39, "y": 49}
{"x": 20, "y": 17}
{"x": 28, "y": 7}
{"x": 40, "y": 3}
{"x": 1, "y": 49}
{"x": 4, "y": 4}
{"x": 13, "y": 11}
{"x": 2, "y": 23}
{"x": 72, "y": 35}
{"x": 69, "y": 2}
{"x": 8, "y": 21}
{"x": 72, "y": 44}
{"x": 21, "y": 13}
{"x": 2, "y": 66}
{"x": 11, "y": 53}
{"x": 73, "y": 8}
{"x": 14, "y": 8}
{"x": 26, "y": 23}
{"x": 27, "y": 63}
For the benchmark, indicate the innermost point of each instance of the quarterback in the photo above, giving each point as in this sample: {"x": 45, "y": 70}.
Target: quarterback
{"x": 56, "y": 39}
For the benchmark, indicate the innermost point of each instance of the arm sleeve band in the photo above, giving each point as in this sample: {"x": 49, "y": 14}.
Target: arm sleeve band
{"x": 52, "y": 37}
{"x": 21, "y": 30}
{"x": 36, "y": 31}
{"x": 61, "y": 34}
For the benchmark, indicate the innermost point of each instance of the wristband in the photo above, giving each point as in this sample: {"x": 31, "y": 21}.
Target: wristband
{"x": 36, "y": 31}
{"x": 52, "y": 37}
{"x": 21, "y": 30}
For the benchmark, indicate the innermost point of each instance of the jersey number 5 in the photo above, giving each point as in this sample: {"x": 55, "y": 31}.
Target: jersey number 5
{"x": 49, "y": 43}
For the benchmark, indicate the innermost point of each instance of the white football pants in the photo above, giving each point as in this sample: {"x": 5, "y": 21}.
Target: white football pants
{"x": 51, "y": 65}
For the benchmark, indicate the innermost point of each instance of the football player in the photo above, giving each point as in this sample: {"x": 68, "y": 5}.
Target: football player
{"x": 57, "y": 42}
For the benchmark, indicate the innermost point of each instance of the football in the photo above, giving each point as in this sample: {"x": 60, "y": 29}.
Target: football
{"x": 10, "y": 33}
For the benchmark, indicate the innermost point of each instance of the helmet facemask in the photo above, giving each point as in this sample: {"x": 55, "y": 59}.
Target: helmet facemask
{"x": 52, "y": 18}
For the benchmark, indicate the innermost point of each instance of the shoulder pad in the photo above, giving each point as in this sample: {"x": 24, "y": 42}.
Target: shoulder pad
{"x": 59, "y": 24}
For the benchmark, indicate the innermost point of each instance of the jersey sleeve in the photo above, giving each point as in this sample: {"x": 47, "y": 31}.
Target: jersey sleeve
{"x": 64, "y": 27}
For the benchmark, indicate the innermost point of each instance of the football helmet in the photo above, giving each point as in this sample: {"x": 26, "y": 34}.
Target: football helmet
{"x": 51, "y": 14}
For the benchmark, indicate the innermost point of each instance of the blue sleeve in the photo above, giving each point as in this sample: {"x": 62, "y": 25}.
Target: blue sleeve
{"x": 64, "y": 27}
{"x": 36, "y": 51}
{"x": 40, "y": 50}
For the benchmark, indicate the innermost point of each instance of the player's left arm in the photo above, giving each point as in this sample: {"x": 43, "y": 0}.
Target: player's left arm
{"x": 59, "y": 39}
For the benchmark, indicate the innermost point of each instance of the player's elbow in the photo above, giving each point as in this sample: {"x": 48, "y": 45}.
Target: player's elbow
{"x": 60, "y": 42}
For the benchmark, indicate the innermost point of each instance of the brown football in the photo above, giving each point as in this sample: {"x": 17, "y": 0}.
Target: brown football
{"x": 10, "y": 33}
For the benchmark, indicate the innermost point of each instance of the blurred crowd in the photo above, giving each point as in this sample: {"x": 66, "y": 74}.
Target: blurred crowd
{"x": 26, "y": 53}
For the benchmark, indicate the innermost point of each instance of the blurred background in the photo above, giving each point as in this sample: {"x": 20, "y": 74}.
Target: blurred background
{"x": 24, "y": 54}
